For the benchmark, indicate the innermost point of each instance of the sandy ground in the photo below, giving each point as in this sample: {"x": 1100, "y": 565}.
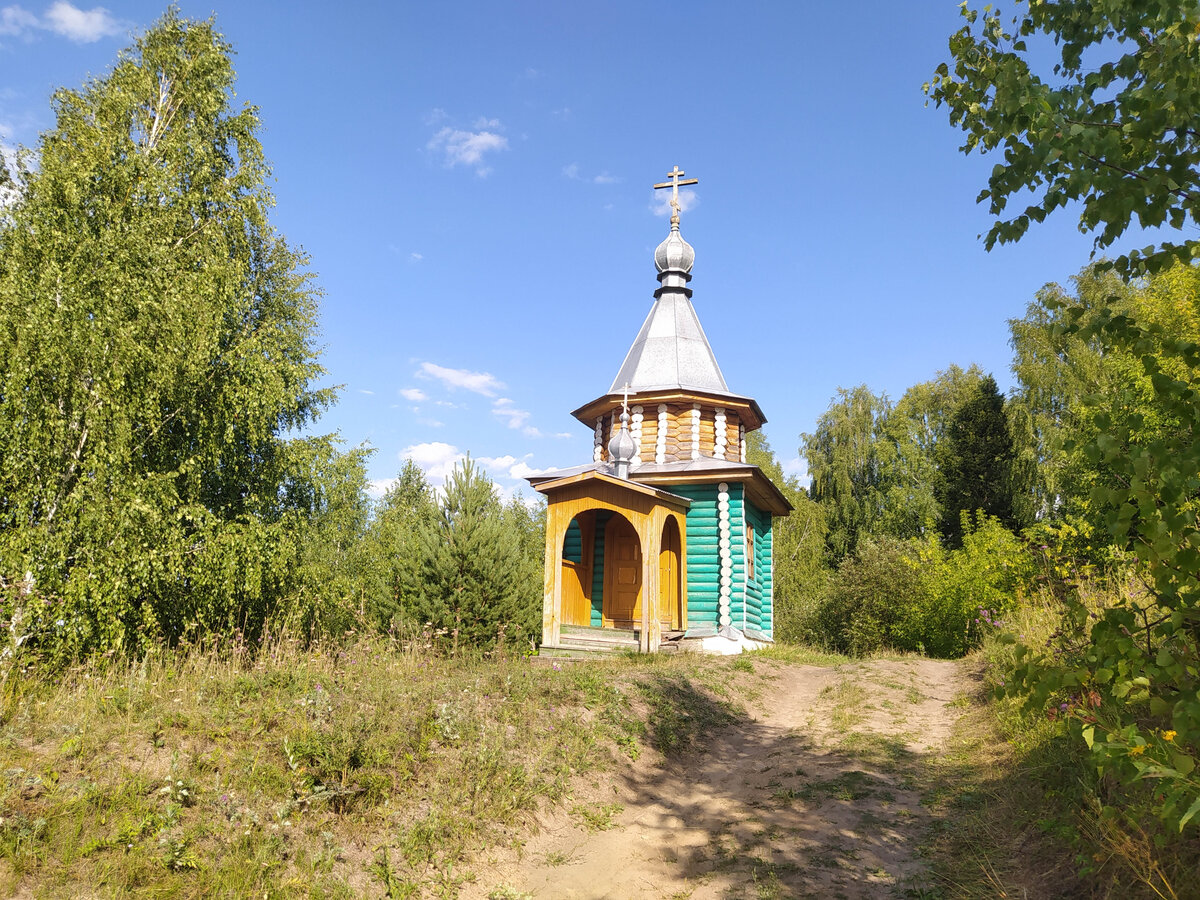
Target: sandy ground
{"x": 817, "y": 796}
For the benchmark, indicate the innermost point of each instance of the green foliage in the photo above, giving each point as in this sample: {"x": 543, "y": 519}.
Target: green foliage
{"x": 969, "y": 589}
{"x": 901, "y": 470}
{"x": 798, "y": 549}
{"x": 1111, "y": 125}
{"x": 1129, "y": 674}
{"x": 1056, "y": 370}
{"x": 156, "y": 340}
{"x": 475, "y": 586}
{"x": 1111, "y": 379}
{"x": 331, "y": 494}
{"x": 869, "y": 597}
{"x": 915, "y": 431}
{"x": 844, "y": 460}
{"x": 918, "y": 596}
{"x": 391, "y": 549}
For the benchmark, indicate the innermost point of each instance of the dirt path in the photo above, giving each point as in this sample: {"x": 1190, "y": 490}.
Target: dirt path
{"x": 817, "y": 796}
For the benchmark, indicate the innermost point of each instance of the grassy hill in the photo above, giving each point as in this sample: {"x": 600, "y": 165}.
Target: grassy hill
{"x": 334, "y": 772}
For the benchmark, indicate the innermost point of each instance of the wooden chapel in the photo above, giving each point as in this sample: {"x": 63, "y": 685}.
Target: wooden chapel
{"x": 665, "y": 537}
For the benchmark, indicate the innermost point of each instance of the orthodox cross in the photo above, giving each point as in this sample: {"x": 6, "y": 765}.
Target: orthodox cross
{"x": 675, "y": 174}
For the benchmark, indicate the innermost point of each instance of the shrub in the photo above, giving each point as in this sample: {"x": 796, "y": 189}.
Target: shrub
{"x": 917, "y": 596}
{"x": 869, "y": 597}
{"x": 968, "y": 590}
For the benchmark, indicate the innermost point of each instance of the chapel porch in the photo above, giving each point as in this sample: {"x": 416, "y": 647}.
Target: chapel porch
{"x": 615, "y": 565}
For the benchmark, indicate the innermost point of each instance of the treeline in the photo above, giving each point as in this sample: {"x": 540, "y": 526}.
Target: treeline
{"x": 1059, "y": 526}
{"x": 157, "y": 357}
{"x": 911, "y": 524}
{"x": 927, "y": 516}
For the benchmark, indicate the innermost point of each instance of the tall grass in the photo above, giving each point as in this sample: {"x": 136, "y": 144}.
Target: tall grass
{"x": 1091, "y": 833}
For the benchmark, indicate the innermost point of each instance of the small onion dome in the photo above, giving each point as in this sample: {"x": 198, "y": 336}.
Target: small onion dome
{"x": 622, "y": 448}
{"x": 674, "y": 254}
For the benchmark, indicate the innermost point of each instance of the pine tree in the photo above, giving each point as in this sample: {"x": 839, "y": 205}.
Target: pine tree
{"x": 471, "y": 582}
{"x": 975, "y": 461}
{"x": 393, "y": 549}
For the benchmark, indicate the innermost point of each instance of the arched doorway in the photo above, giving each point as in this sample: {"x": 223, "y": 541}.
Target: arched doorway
{"x": 622, "y": 574}
{"x": 670, "y": 576}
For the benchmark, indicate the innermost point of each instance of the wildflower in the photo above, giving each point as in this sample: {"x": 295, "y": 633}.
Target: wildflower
{"x": 1137, "y": 750}
{"x": 1168, "y": 735}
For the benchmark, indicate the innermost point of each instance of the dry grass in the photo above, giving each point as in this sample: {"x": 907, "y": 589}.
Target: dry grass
{"x": 329, "y": 772}
{"x": 1026, "y": 802}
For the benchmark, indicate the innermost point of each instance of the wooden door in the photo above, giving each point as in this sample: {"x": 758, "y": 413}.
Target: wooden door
{"x": 668, "y": 576}
{"x": 622, "y": 575}
{"x": 576, "y": 607}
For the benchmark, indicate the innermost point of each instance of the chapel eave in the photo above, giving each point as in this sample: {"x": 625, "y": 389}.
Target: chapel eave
{"x": 751, "y": 413}
{"x": 760, "y": 489}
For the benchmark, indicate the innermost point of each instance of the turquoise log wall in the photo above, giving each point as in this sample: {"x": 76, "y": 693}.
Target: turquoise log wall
{"x": 768, "y": 556}
{"x": 758, "y": 589}
{"x": 573, "y": 543}
{"x": 602, "y": 517}
{"x": 703, "y": 561}
{"x": 737, "y": 555}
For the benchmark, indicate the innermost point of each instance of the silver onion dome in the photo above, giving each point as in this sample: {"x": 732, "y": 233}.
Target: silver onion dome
{"x": 621, "y": 449}
{"x": 674, "y": 254}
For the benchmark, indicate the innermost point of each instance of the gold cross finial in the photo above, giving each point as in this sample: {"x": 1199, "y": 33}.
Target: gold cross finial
{"x": 675, "y": 174}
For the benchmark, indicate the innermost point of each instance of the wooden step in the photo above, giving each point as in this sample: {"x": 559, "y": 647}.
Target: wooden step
{"x": 608, "y": 637}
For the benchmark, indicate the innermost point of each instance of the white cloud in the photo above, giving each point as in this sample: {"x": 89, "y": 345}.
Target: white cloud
{"x": 81, "y": 26}
{"x": 513, "y": 417}
{"x": 510, "y": 466}
{"x": 482, "y": 122}
{"x": 367, "y": 392}
{"x": 415, "y": 257}
{"x": 522, "y": 470}
{"x": 414, "y": 395}
{"x": 497, "y": 463}
{"x": 467, "y": 148}
{"x": 605, "y": 178}
{"x": 571, "y": 171}
{"x": 794, "y": 466}
{"x": 661, "y": 205}
{"x": 435, "y": 458}
{"x": 505, "y": 409}
{"x": 64, "y": 19}
{"x": 563, "y": 434}
{"x": 479, "y": 382}
{"x": 16, "y": 21}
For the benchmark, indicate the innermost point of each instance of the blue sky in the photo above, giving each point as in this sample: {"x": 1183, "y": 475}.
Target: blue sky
{"x": 473, "y": 183}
